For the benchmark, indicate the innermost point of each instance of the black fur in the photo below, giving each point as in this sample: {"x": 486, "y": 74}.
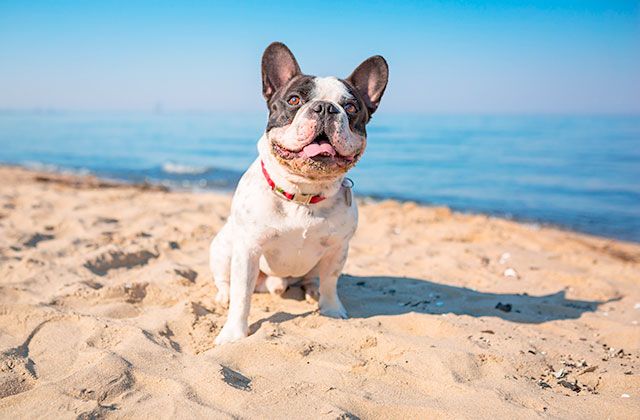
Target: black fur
{"x": 278, "y": 67}
{"x": 280, "y": 112}
{"x": 282, "y": 78}
{"x": 370, "y": 80}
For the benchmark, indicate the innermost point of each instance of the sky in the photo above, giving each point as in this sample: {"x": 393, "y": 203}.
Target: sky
{"x": 459, "y": 57}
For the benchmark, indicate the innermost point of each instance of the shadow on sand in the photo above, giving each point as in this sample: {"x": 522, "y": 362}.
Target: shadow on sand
{"x": 365, "y": 297}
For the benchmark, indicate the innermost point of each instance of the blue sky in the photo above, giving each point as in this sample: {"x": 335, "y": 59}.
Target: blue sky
{"x": 570, "y": 57}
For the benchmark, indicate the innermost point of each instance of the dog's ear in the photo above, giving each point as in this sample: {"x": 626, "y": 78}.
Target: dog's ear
{"x": 278, "y": 67}
{"x": 370, "y": 79}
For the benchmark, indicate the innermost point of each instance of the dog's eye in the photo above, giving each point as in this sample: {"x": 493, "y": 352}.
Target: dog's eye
{"x": 350, "y": 108}
{"x": 294, "y": 100}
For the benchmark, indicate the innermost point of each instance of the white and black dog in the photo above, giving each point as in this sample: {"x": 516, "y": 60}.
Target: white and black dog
{"x": 292, "y": 214}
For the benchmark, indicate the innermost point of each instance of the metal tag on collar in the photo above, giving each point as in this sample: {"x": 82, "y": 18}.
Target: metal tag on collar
{"x": 347, "y": 183}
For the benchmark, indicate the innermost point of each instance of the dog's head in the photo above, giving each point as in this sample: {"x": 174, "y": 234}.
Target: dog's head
{"x": 317, "y": 125}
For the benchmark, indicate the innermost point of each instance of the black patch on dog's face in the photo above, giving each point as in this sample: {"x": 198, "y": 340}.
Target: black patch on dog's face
{"x": 280, "y": 112}
{"x": 357, "y": 121}
{"x": 282, "y": 78}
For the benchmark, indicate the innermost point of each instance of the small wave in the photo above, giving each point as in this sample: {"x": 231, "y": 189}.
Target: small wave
{"x": 40, "y": 166}
{"x": 50, "y": 167}
{"x": 180, "y": 169}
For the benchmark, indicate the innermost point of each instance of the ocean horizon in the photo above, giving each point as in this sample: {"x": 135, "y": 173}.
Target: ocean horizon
{"x": 576, "y": 172}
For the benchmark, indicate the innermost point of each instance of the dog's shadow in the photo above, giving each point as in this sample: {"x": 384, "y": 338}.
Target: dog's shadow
{"x": 366, "y": 297}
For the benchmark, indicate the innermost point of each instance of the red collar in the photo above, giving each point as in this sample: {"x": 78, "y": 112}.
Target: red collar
{"x": 298, "y": 198}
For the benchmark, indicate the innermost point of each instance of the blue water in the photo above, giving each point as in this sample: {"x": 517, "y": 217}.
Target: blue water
{"x": 582, "y": 173}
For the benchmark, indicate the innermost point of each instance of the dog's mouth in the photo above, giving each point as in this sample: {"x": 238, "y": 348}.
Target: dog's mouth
{"x": 318, "y": 150}
{"x": 320, "y": 146}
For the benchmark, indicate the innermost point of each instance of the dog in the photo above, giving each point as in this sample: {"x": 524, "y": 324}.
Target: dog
{"x": 292, "y": 214}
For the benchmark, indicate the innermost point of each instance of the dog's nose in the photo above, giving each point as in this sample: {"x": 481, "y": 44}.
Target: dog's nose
{"x": 322, "y": 107}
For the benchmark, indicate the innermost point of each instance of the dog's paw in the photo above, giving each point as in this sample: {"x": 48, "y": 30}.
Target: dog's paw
{"x": 311, "y": 290}
{"x": 229, "y": 334}
{"x": 311, "y": 294}
{"x": 333, "y": 309}
{"x": 222, "y": 297}
{"x": 276, "y": 285}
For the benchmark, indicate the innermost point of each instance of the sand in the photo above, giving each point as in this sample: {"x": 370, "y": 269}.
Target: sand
{"x": 107, "y": 310}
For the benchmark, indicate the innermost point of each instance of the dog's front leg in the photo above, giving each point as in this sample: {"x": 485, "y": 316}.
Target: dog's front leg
{"x": 329, "y": 270}
{"x": 244, "y": 273}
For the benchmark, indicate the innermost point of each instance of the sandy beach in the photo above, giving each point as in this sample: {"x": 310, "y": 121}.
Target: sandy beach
{"x": 107, "y": 310}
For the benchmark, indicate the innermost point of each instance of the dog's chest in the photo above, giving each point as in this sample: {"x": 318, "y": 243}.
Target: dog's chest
{"x": 301, "y": 239}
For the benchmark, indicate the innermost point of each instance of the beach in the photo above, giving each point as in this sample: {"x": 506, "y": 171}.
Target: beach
{"x": 107, "y": 310}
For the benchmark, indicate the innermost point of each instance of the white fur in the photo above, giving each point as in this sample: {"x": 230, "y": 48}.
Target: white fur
{"x": 282, "y": 239}
{"x": 330, "y": 89}
{"x": 302, "y": 129}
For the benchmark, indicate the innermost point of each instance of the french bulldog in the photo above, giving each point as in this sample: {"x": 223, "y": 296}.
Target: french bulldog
{"x": 292, "y": 214}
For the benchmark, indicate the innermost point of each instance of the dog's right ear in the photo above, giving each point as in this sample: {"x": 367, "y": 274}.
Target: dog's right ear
{"x": 278, "y": 67}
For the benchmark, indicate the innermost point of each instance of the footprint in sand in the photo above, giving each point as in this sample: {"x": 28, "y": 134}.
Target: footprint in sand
{"x": 106, "y": 220}
{"x": 36, "y": 238}
{"x": 187, "y": 274}
{"x": 115, "y": 258}
{"x": 103, "y": 381}
{"x": 17, "y": 370}
{"x": 17, "y": 373}
{"x": 135, "y": 292}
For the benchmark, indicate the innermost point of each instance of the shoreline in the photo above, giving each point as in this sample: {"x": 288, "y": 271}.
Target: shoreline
{"x": 108, "y": 310}
{"x": 362, "y": 198}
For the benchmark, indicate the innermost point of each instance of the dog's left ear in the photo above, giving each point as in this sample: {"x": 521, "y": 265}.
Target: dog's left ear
{"x": 278, "y": 67}
{"x": 370, "y": 79}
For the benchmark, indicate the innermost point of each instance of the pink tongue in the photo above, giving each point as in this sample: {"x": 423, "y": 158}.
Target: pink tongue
{"x": 314, "y": 149}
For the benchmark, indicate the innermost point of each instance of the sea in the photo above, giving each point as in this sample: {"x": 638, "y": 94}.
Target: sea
{"x": 576, "y": 172}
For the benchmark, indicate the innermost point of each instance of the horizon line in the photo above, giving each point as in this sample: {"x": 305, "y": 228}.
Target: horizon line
{"x": 186, "y": 111}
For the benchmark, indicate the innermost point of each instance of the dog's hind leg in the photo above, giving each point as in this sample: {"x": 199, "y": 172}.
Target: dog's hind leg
{"x": 220, "y": 264}
{"x": 261, "y": 285}
{"x": 276, "y": 286}
{"x": 310, "y": 286}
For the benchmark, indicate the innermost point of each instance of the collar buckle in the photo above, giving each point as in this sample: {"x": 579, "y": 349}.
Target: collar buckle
{"x": 302, "y": 198}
